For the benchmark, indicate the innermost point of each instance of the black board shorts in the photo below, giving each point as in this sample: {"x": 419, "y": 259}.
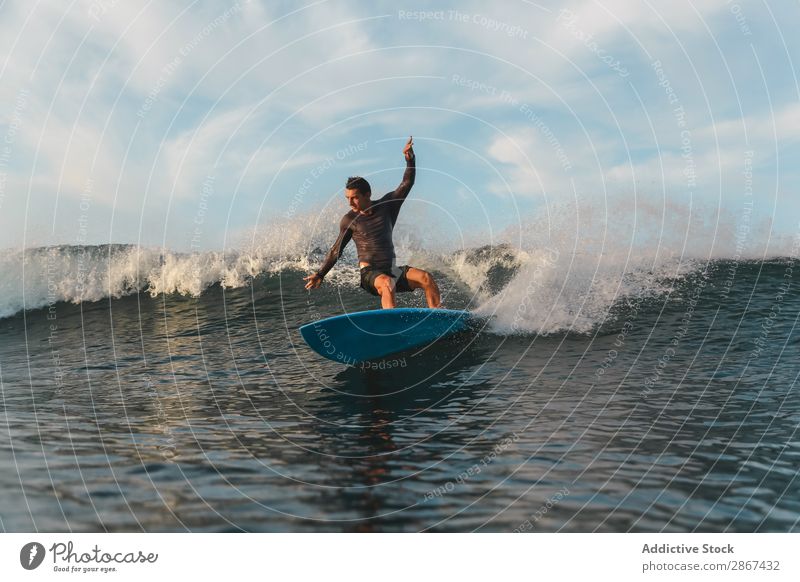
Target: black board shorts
{"x": 370, "y": 273}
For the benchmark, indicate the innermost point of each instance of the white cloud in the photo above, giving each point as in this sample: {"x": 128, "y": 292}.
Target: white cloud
{"x": 527, "y": 165}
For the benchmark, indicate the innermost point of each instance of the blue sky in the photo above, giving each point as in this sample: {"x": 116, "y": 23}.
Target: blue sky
{"x": 186, "y": 124}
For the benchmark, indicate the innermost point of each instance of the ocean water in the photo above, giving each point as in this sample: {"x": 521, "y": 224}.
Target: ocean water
{"x": 627, "y": 388}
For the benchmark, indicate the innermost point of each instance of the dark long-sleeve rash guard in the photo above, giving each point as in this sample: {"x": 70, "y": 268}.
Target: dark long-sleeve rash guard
{"x": 372, "y": 232}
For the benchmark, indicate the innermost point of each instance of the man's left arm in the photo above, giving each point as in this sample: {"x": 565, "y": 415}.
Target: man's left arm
{"x": 410, "y": 174}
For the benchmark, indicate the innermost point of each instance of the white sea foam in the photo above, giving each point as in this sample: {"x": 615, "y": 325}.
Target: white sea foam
{"x": 580, "y": 259}
{"x": 37, "y": 277}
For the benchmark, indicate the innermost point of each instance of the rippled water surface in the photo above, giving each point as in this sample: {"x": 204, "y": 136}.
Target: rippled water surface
{"x": 210, "y": 414}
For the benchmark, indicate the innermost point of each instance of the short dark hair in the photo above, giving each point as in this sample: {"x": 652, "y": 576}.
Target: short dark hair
{"x": 358, "y": 183}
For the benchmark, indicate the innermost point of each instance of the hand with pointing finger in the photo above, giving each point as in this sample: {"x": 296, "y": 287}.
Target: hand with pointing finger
{"x": 408, "y": 151}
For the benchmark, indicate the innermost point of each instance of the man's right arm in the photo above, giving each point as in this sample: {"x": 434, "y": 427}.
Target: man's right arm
{"x": 345, "y": 234}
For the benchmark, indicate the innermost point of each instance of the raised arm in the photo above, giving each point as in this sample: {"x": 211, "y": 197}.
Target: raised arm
{"x": 345, "y": 234}
{"x": 410, "y": 174}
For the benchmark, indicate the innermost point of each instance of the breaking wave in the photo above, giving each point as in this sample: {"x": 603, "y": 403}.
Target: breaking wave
{"x": 564, "y": 268}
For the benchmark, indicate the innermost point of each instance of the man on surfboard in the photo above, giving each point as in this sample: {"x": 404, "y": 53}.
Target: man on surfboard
{"x": 370, "y": 223}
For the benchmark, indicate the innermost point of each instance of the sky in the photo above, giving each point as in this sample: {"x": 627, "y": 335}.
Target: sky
{"x": 187, "y": 124}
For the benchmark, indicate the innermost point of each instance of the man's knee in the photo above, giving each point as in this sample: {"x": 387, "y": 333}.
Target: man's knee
{"x": 384, "y": 284}
{"x": 425, "y": 278}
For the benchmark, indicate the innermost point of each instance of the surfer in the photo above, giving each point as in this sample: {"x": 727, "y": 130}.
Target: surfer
{"x": 370, "y": 223}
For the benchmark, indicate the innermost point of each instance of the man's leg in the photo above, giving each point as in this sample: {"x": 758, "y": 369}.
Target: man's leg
{"x": 384, "y": 285}
{"x": 419, "y": 279}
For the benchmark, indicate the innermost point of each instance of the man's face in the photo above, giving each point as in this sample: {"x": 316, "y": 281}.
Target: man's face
{"x": 358, "y": 202}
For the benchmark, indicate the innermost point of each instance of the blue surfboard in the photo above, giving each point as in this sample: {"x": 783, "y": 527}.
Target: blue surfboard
{"x": 367, "y": 335}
